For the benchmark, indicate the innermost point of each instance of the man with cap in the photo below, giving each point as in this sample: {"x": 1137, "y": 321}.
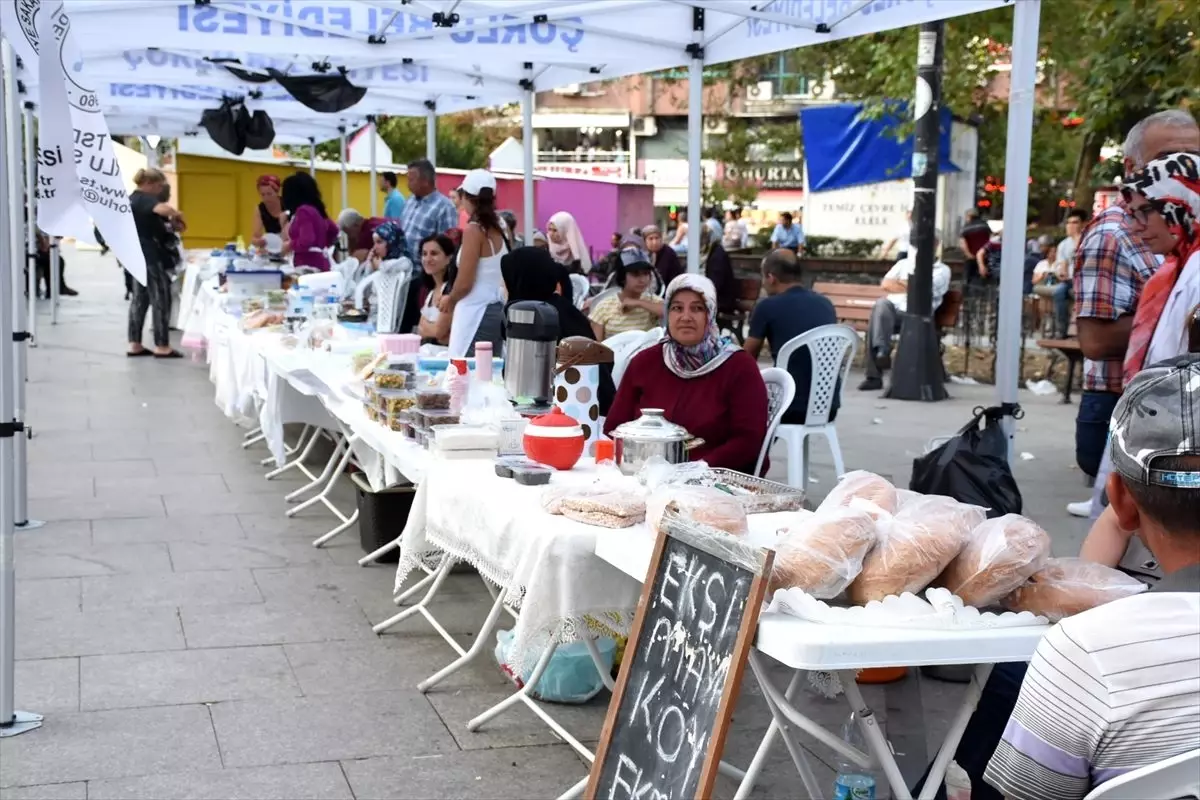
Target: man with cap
{"x": 1118, "y": 687}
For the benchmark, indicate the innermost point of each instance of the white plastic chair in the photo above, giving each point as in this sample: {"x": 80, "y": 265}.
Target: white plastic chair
{"x": 831, "y": 348}
{"x": 1174, "y": 778}
{"x": 580, "y": 288}
{"x": 781, "y": 390}
{"x": 627, "y": 345}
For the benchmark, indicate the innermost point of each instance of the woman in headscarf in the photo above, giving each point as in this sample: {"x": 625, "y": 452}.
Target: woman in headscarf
{"x": 269, "y": 217}
{"x": 710, "y": 387}
{"x": 309, "y": 230}
{"x": 1164, "y": 201}
{"x": 389, "y": 256}
{"x": 531, "y": 273}
{"x": 664, "y": 259}
{"x": 567, "y": 245}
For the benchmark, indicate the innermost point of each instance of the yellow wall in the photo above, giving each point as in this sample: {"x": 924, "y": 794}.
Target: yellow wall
{"x": 219, "y": 199}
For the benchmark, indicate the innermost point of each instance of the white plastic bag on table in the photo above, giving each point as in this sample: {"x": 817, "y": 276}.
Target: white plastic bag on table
{"x": 703, "y": 505}
{"x": 865, "y": 487}
{"x": 618, "y": 488}
{"x": 1000, "y": 555}
{"x": 1066, "y": 586}
{"x": 657, "y": 471}
{"x": 914, "y": 546}
{"x": 571, "y": 677}
{"x": 822, "y": 553}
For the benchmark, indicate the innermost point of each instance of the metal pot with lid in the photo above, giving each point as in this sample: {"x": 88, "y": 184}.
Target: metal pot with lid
{"x": 652, "y": 434}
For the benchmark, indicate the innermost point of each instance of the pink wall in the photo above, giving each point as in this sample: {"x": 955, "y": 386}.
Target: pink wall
{"x": 600, "y": 207}
{"x": 635, "y": 207}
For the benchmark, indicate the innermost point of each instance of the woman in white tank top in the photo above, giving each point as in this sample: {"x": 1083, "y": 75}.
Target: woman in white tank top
{"x": 479, "y": 283}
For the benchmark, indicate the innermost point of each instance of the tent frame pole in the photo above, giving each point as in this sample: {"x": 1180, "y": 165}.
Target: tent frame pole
{"x": 695, "y": 139}
{"x": 12, "y": 722}
{"x": 20, "y": 337}
{"x": 312, "y": 156}
{"x": 431, "y": 132}
{"x": 30, "y": 224}
{"x": 527, "y": 146}
{"x": 374, "y": 168}
{"x": 342, "y": 154}
{"x": 1022, "y": 85}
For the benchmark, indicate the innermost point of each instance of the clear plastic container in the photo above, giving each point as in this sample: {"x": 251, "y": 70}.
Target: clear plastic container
{"x": 532, "y": 476}
{"x": 391, "y": 378}
{"x": 393, "y": 401}
{"x": 435, "y": 399}
{"x": 426, "y": 418}
{"x": 464, "y": 437}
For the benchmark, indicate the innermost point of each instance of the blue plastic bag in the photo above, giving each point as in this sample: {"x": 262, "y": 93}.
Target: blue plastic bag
{"x": 571, "y": 675}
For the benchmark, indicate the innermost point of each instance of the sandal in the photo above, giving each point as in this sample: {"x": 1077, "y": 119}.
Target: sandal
{"x": 172, "y": 354}
{"x": 137, "y": 354}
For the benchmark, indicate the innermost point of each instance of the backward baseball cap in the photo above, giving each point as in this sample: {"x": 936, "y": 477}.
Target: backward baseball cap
{"x": 1158, "y": 416}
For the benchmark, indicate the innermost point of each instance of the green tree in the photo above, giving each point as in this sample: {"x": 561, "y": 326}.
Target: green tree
{"x": 464, "y": 140}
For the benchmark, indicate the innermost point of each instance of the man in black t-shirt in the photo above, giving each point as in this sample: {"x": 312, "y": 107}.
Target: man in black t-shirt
{"x": 788, "y": 311}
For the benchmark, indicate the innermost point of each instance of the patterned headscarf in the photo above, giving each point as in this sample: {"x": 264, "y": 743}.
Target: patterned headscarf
{"x": 393, "y": 235}
{"x": 1172, "y": 185}
{"x": 703, "y": 358}
{"x": 268, "y": 180}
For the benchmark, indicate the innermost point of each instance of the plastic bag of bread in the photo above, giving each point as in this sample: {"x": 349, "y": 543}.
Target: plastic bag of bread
{"x": 914, "y": 546}
{"x": 822, "y": 552}
{"x": 1066, "y": 586}
{"x": 703, "y": 505}
{"x": 999, "y": 556}
{"x": 864, "y": 490}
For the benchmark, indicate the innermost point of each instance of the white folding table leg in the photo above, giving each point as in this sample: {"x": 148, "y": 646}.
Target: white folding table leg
{"x": 464, "y": 656}
{"x": 878, "y": 745}
{"x": 289, "y": 450}
{"x": 296, "y": 463}
{"x": 252, "y": 438}
{"x": 292, "y": 496}
{"x": 416, "y": 587}
{"x": 331, "y": 477}
{"x": 343, "y": 526}
{"x": 775, "y": 704}
{"x": 439, "y": 577}
{"x": 372, "y": 557}
{"x": 963, "y": 716}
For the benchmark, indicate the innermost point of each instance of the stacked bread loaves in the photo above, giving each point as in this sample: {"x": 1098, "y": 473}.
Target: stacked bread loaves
{"x": 703, "y": 505}
{"x": 914, "y": 546}
{"x": 821, "y": 553}
{"x": 1000, "y": 555}
{"x": 1066, "y": 586}
{"x": 864, "y": 490}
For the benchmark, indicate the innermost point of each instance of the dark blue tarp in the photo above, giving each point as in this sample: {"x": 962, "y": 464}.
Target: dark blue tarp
{"x": 842, "y": 148}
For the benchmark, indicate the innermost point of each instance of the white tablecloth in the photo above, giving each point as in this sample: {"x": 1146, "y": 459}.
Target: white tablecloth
{"x": 545, "y": 564}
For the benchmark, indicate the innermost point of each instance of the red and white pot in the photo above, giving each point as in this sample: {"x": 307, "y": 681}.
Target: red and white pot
{"x": 554, "y": 439}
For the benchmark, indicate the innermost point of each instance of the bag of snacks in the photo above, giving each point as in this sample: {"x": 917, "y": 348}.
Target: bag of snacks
{"x": 823, "y": 552}
{"x": 864, "y": 487}
{"x": 1000, "y": 555}
{"x": 914, "y": 546}
{"x": 554, "y": 496}
{"x": 1066, "y": 586}
{"x": 703, "y": 505}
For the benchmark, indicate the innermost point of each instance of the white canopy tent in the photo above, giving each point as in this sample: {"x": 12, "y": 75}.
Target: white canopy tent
{"x": 441, "y": 56}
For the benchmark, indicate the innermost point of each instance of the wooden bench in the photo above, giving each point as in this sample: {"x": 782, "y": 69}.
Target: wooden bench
{"x": 1070, "y": 350}
{"x": 852, "y": 302}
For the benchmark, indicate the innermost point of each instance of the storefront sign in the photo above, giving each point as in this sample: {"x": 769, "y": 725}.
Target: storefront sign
{"x": 873, "y": 211}
{"x": 767, "y": 175}
{"x": 601, "y": 170}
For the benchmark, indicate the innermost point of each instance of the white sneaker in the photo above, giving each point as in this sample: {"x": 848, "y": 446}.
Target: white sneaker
{"x": 1081, "y": 509}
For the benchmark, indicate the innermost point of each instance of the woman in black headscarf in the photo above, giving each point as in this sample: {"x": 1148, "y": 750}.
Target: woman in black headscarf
{"x": 531, "y": 273}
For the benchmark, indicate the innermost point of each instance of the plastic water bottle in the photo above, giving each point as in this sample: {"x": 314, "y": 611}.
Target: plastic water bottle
{"x": 853, "y": 782}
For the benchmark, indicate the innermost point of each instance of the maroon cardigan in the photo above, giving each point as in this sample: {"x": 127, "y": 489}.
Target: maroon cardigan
{"x": 726, "y": 408}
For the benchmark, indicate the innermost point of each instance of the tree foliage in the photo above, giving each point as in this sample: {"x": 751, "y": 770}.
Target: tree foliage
{"x": 464, "y": 141}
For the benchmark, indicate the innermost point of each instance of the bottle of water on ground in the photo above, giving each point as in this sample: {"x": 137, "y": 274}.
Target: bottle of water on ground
{"x": 853, "y": 782}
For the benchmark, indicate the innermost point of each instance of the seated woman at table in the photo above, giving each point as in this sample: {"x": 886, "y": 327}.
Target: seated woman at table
{"x": 635, "y": 307}
{"x": 310, "y": 230}
{"x": 531, "y": 273}
{"x": 710, "y": 387}
{"x": 268, "y": 216}
{"x": 437, "y": 279}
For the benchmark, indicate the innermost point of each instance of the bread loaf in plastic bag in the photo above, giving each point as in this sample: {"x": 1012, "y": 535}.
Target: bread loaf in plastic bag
{"x": 823, "y": 552}
{"x": 864, "y": 490}
{"x": 1066, "y": 586}
{"x": 914, "y": 546}
{"x": 999, "y": 556}
{"x": 703, "y": 505}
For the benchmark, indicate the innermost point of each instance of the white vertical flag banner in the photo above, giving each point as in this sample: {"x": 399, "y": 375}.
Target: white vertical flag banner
{"x": 79, "y": 177}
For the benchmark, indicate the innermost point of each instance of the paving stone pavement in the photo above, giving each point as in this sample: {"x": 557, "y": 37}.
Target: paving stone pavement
{"x": 185, "y": 640}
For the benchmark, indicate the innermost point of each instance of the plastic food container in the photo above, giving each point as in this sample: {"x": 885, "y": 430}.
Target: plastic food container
{"x": 393, "y": 401}
{"x": 464, "y": 437}
{"x": 506, "y": 464}
{"x": 399, "y": 343}
{"x": 532, "y": 476}
{"x": 433, "y": 399}
{"x": 421, "y": 437}
{"x": 388, "y": 378}
{"x": 400, "y": 363}
{"x": 372, "y": 411}
{"x": 370, "y": 393}
{"x": 426, "y": 418}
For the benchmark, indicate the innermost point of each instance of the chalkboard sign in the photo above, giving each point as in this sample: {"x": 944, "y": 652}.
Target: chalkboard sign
{"x": 667, "y": 720}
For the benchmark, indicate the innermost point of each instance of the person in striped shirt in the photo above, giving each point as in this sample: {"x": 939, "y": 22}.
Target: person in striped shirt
{"x": 1117, "y": 688}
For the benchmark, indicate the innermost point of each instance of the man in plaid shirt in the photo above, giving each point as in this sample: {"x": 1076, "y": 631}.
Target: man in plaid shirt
{"x": 1111, "y": 266}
